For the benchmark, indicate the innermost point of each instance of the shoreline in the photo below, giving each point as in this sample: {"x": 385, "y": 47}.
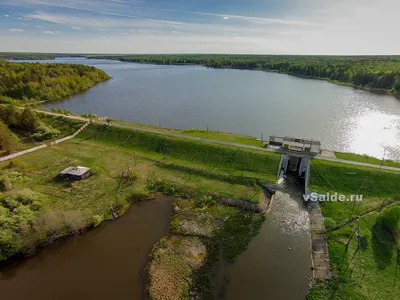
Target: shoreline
{"x": 343, "y": 83}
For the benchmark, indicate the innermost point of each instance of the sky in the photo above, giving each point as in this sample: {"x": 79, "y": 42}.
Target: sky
{"x": 200, "y": 26}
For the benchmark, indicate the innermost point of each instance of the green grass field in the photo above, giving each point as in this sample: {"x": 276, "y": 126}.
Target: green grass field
{"x": 329, "y": 176}
{"x": 367, "y": 159}
{"x": 368, "y": 273}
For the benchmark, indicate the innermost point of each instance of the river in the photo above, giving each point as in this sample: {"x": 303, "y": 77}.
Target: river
{"x": 105, "y": 263}
{"x": 277, "y": 263}
{"x": 244, "y": 102}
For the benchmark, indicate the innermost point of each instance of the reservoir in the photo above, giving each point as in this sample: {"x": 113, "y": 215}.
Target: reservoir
{"x": 243, "y": 102}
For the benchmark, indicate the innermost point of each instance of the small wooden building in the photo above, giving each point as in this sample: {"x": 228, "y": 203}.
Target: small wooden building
{"x": 75, "y": 173}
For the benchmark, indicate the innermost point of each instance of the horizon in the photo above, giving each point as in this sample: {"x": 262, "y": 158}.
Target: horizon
{"x": 253, "y": 27}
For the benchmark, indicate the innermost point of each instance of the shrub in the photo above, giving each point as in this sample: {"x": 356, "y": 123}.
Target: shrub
{"x": 26, "y": 196}
{"x": 10, "y": 203}
{"x": 329, "y": 223}
{"x": 138, "y": 195}
{"x": 5, "y": 184}
{"x": 45, "y": 133}
{"x": 96, "y": 219}
{"x": 205, "y": 201}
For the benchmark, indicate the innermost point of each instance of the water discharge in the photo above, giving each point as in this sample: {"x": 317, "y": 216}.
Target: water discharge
{"x": 277, "y": 264}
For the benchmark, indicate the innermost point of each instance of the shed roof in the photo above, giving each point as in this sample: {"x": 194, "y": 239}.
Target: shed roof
{"x": 75, "y": 171}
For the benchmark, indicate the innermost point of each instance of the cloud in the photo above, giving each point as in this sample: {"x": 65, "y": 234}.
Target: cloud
{"x": 39, "y": 26}
{"x": 174, "y": 32}
{"x": 226, "y": 18}
{"x": 7, "y": 16}
{"x": 76, "y": 28}
{"x": 16, "y": 30}
{"x": 51, "y": 32}
{"x": 105, "y": 20}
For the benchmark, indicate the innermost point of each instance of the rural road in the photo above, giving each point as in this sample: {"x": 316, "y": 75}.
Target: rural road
{"x": 280, "y": 151}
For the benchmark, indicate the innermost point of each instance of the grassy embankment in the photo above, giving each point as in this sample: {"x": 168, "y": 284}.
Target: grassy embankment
{"x": 367, "y": 159}
{"x": 366, "y": 268}
{"x": 129, "y": 166}
{"x": 201, "y": 133}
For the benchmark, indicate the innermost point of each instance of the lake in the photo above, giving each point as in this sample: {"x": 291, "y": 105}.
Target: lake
{"x": 243, "y": 102}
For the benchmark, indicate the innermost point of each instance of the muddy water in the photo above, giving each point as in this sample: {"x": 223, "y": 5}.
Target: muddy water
{"x": 277, "y": 264}
{"x": 105, "y": 263}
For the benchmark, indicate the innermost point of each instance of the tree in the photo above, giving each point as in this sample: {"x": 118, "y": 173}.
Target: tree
{"x": 8, "y": 140}
{"x": 29, "y": 120}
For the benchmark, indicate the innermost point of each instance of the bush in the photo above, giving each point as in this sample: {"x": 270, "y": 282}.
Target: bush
{"x": 205, "y": 201}
{"x": 329, "y": 223}
{"x": 10, "y": 203}
{"x": 26, "y": 196}
{"x": 138, "y": 195}
{"x": 96, "y": 219}
{"x": 5, "y": 184}
{"x": 45, "y": 133}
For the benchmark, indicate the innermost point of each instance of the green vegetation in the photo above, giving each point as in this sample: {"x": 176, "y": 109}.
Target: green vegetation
{"x": 367, "y": 159}
{"x": 201, "y": 133}
{"x": 363, "y": 237}
{"x": 8, "y": 140}
{"x": 369, "y": 72}
{"x": 25, "y": 128}
{"x": 42, "y": 82}
{"x": 203, "y": 234}
{"x": 124, "y": 171}
{"x": 241, "y": 162}
{"x": 346, "y": 179}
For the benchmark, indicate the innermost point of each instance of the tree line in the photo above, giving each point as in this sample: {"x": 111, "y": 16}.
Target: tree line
{"x": 371, "y": 72}
{"x": 38, "y": 81}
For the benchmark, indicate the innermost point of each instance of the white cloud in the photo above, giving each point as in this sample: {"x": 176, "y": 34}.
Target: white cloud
{"x": 76, "y": 28}
{"x": 49, "y": 32}
{"x": 314, "y": 27}
{"x": 7, "y": 16}
{"x": 103, "y": 21}
{"x": 175, "y": 32}
{"x": 39, "y": 26}
{"x": 16, "y": 30}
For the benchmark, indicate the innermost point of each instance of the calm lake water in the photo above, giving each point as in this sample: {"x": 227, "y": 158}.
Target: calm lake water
{"x": 244, "y": 102}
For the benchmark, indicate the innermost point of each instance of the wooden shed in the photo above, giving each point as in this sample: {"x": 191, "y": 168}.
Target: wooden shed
{"x": 75, "y": 173}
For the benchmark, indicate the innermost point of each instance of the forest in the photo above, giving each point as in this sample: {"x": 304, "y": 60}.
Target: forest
{"x": 43, "y": 82}
{"x": 368, "y": 72}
